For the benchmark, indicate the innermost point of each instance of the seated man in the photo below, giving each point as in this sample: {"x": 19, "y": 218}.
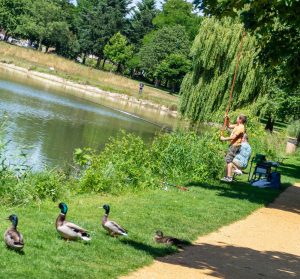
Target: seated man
{"x": 241, "y": 160}
{"x": 235, "y": 144}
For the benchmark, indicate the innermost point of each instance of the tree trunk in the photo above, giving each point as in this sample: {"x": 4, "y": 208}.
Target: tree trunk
{"x": 119, "y": 68}
{"x": 40, "y": 45}
{"x": 132, "y": 73}
{"x": 47, "y": 48}
{"x": 98, "y": 62}
{"x": 173, "y": 87}
{"x": 103, "y": 64}
{"x": 270, "y": 124}
{"x": 6, "y": 36}
{"x": 157, "y": 82}
{"x": 84, "y": 59}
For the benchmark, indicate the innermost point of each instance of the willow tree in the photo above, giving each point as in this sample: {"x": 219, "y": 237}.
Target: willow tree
{"x": 205, "y": 90}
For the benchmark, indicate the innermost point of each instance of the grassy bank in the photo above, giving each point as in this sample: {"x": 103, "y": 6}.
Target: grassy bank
{"x": 134, "y": 171}
{"x": 203, "y": 209}
{"x": 41, "y": 62}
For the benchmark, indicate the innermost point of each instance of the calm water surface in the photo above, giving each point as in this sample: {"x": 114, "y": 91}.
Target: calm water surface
{"x": 49, "y": 124}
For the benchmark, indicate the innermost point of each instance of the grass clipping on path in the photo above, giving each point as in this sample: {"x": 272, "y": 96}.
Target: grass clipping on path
{"x": 38, "y": 61}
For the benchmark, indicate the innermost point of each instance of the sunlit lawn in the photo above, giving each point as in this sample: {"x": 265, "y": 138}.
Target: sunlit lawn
{"x": 203, "y": 209}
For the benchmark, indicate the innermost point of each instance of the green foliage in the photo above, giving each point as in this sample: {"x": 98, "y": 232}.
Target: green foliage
{"x": 15, "y": 190}
{"x": 83, "y": 157}
{"x": 183, "y": 157}
{"x": 178, "y": 12}
{"x": 141, "y": 23}
{"x": 293, "y": 129}
{"x": 173, "y": 68}
{"x": 205, "y": 90}
{"x": 127, "y": 163}
{"x": 124, "y": 164}
{"x": 275, "y": 24}
{"x": 118, "y": 50}
{"x": 11, "y": 13}
{"x": 98, "y": 21}
{"x": 161, "y": 43}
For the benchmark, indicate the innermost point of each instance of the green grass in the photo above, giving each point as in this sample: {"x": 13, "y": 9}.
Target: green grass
{"x": 203, "y": 209}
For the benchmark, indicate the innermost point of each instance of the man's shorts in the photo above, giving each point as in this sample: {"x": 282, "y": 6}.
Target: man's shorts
{"x": 232, "y": 151}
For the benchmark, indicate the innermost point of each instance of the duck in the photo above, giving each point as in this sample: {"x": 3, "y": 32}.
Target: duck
{"x": 169, "y": 240}
{"x": 112, "y": 227}
{"x": 68, "y": 230}
{"x": 12, "y": 237}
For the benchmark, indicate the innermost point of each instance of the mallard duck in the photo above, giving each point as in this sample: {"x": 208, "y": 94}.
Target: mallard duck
{"x": 67, "y": 229}
{"x": 169, "y": 240}
{"x": 112, "y": 227}
{"x": 12, "y": 237}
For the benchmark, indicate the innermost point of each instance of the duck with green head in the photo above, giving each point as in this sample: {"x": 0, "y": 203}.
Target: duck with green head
{"x": 67, "y": 229}
{"x": 112, "y": 227}
{"x": 12, "y": 237}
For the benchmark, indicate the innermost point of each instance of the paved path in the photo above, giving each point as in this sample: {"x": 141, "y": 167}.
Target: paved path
{"x": 264, "y": 245}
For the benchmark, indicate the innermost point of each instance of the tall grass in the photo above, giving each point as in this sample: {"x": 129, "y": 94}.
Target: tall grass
{"x": 35, "y": 60}
{"x": 127, "y": 163}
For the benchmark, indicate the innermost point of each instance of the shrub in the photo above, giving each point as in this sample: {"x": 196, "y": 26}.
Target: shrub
{"x": 184, "y": 157}
{"x": 123, "y": 164}
{"x": 16, "y": 190}
{"x": 293, "y": 130}
{"x": 127, "y": 163}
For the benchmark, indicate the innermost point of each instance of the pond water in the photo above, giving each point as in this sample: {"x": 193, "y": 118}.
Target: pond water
{"x": 47, "y": 124}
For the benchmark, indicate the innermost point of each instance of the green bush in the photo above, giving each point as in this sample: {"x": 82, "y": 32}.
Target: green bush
{"x": 16, "y": 190}
{"x": 127, "y": 163}
{"x": 124, "y": 164}
{"x": 183, "y": 157}
{"x": 293, "y": 130}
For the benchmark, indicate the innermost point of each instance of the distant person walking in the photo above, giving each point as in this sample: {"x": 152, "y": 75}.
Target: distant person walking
{"x": 235, "y": 144}
{"x": 141, "y": 87}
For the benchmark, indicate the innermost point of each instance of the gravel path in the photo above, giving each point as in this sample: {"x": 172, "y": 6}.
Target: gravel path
{"x": 264, "y": 245}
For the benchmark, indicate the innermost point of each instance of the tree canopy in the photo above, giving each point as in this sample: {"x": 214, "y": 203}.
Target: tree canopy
{"x": 142, "y": 21}
{"x": 205, "y": 90}
{"x": 163, "y": 42}
{"x": 178, "y": 12}
{"x": 118, "y": 50}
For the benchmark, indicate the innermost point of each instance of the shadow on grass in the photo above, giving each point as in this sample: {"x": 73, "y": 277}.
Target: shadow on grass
{"x": 19, "y": 252}
{"x": 228, "y": 261}
{"x": 291, "y": 171}
{"x": 151, "y": 250}
{"x": 243, "y": 191}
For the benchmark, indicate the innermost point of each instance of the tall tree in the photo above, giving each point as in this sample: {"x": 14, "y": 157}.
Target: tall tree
{"x": 205, "y": 90}
{"x": 44, "y": 22}
{"x": 276, "y": 25}
{"x": 118, "y": 51}
{"x": 173, "y": 68}
{"x": 11, "y": 13}
{"x": 98, "y": 21}
{"x": 161, "y": 43}
{"x": 178, "y": 12}
{"x": 141, "y": 22}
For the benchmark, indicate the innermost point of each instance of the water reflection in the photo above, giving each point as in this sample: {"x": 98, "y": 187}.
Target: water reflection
{"x": 50, "y": 124}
